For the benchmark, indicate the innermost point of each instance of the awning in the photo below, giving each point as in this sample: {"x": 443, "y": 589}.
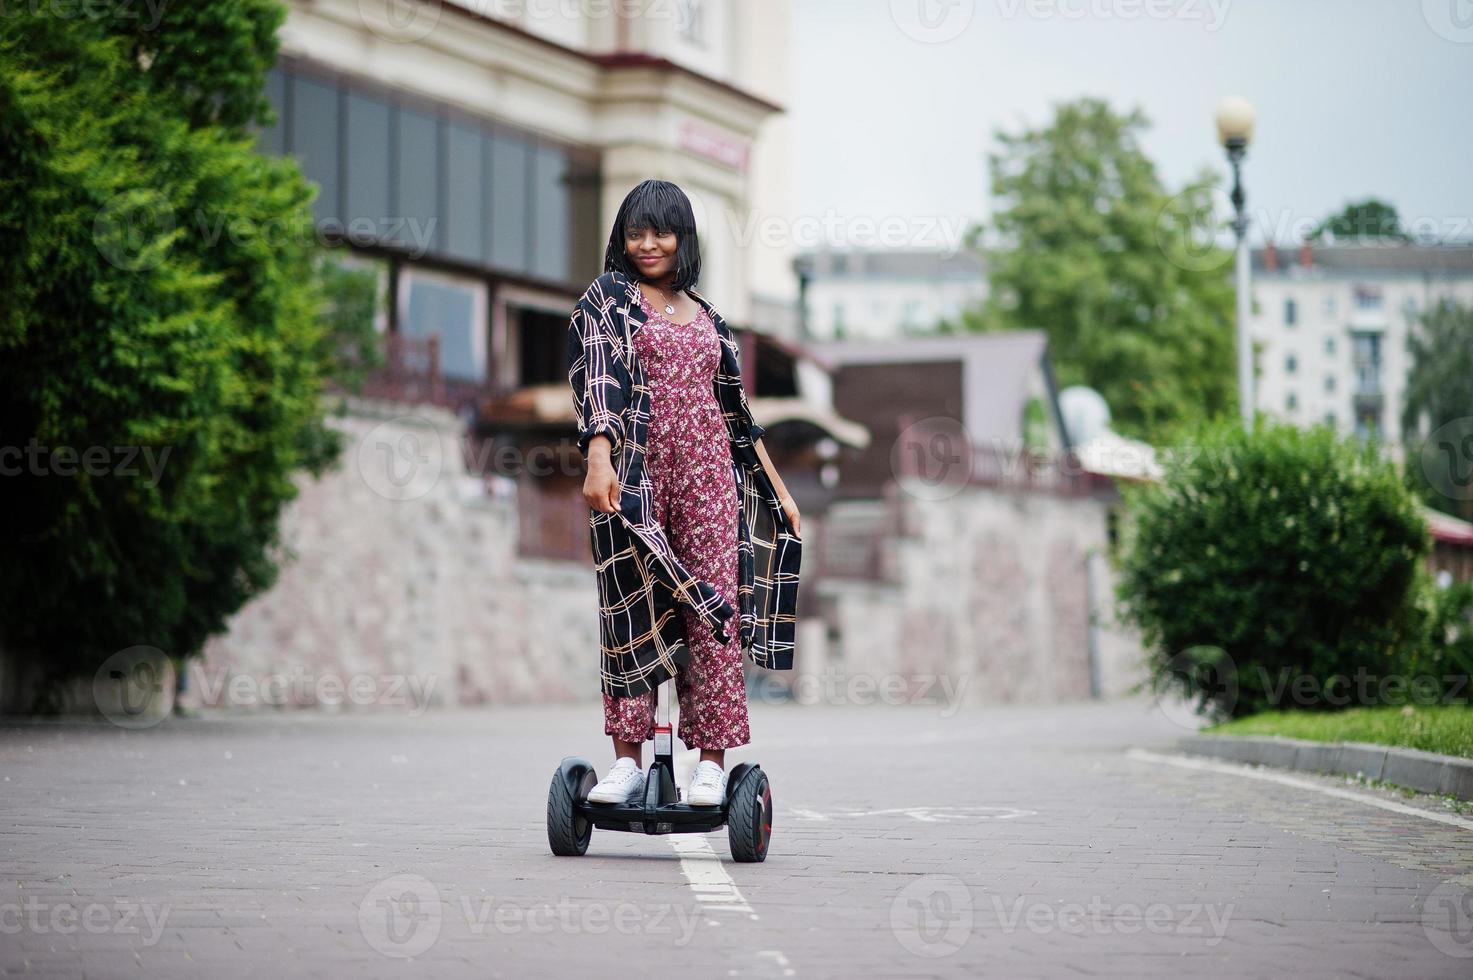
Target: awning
{"x": 771, "y": 411}
{"x": 1111, "y": 454}
{"x": 1448, "y": 529}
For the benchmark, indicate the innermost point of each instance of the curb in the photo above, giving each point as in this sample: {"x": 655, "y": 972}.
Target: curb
{"x": 1426, "y": 772}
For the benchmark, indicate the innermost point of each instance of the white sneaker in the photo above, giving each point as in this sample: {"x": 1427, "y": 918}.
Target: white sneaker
{"x": 707, "y": 785}
{"x": 624, "y": 782}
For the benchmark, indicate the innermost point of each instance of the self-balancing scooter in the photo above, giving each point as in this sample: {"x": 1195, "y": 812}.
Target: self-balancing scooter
{"x": 746, "y": 812}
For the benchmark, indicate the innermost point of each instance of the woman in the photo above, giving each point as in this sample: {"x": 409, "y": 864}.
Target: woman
{"x": 691, "y": 527}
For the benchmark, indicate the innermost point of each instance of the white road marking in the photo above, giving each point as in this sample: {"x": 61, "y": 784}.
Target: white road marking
{"x": 707, "y": 877}
{"x": 778, "y": 960}
{"x": 714, "y": 889}
{"x": 1249, "y": 772}
{"x": 925, "y": 814}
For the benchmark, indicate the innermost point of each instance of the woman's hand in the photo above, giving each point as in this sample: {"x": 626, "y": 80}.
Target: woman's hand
{"x": 601, "y": 485}
{"x": 790, "y": 507}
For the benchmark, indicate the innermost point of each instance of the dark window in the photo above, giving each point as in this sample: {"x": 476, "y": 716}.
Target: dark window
{"x": 542, "y": 339}
{"x": 449, "y": 310}
{"x": 397, "y": 170}
{"x": 272, "y": 139}
{"x": 550, "y": 203}
{"x": 368, "y": 206}
{"x": 418, "y": 179}
{"x": 1291, "y": 312}
{"x": 466, "y": 189}
{"x": 314, "y": 141}
{"x": 1291, "y": 364}
{"x": 509, "y": 210}
{"x": 1368, "y": 298}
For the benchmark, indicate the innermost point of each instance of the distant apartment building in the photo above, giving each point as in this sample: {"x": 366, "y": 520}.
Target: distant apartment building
{"x": 873, "y": 294}
{"x": 1332, "y": 323}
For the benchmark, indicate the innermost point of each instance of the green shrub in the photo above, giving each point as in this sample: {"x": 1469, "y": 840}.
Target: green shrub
{"x": 1275, "y": 568}
{"x": 1446, "y": 650}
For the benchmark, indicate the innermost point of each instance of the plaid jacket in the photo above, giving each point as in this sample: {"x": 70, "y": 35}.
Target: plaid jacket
{"x": 640, "y": 579}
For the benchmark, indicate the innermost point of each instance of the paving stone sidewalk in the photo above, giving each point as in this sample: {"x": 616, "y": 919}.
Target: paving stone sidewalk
{"x": 907, "y": 842}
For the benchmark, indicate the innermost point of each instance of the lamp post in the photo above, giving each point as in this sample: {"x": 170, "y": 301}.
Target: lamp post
{"x": 1234, "y": 131}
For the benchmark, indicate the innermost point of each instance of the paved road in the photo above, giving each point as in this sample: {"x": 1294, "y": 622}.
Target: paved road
{"x": 908, "y": 842}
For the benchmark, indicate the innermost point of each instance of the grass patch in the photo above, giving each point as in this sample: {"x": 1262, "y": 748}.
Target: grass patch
{"x": 1446, "y": 729}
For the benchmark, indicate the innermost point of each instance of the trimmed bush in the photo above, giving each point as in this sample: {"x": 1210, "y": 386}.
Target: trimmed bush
{"x": 1275, "y": 568}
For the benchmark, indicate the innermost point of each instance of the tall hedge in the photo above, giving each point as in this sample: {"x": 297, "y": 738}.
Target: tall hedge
{"x": 1272, "y": 558}
{"x": 155, "y": 302}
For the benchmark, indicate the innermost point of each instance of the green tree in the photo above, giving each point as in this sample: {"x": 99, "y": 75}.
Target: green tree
{"x": 1437, "y": 410}
{"x": 1362, "y": 221}
{"x": 161, "y": 353}
{"x": 1124, "y": 276}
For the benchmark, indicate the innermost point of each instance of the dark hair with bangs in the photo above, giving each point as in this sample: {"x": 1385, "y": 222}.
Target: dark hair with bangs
{"x": 663, "y": 206}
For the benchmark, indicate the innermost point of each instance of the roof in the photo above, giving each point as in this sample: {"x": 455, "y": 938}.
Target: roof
{"x": 772, "y": 410}
{"x": 1448, "y": 529}
{"x": 1407, "y": 258}
{"x": 908, "y": 263}
{"x": 998, "y": 371}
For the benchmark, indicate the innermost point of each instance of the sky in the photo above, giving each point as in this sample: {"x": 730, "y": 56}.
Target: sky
{"x": 895, "y": 102}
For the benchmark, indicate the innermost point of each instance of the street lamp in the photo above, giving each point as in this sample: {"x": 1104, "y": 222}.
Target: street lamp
{"x": 1234, "y": 131}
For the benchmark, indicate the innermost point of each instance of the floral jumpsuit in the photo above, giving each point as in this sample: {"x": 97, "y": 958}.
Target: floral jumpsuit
{"x": 688, "y": 458}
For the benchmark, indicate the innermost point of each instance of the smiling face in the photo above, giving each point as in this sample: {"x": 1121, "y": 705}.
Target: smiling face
{"x": 652, "y": 252}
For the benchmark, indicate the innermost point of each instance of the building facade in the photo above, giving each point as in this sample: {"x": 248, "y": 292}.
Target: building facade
{"x": 474, "y": 153}
{"x": 1331, "y": 326}
{"x": 882, "y": 294}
